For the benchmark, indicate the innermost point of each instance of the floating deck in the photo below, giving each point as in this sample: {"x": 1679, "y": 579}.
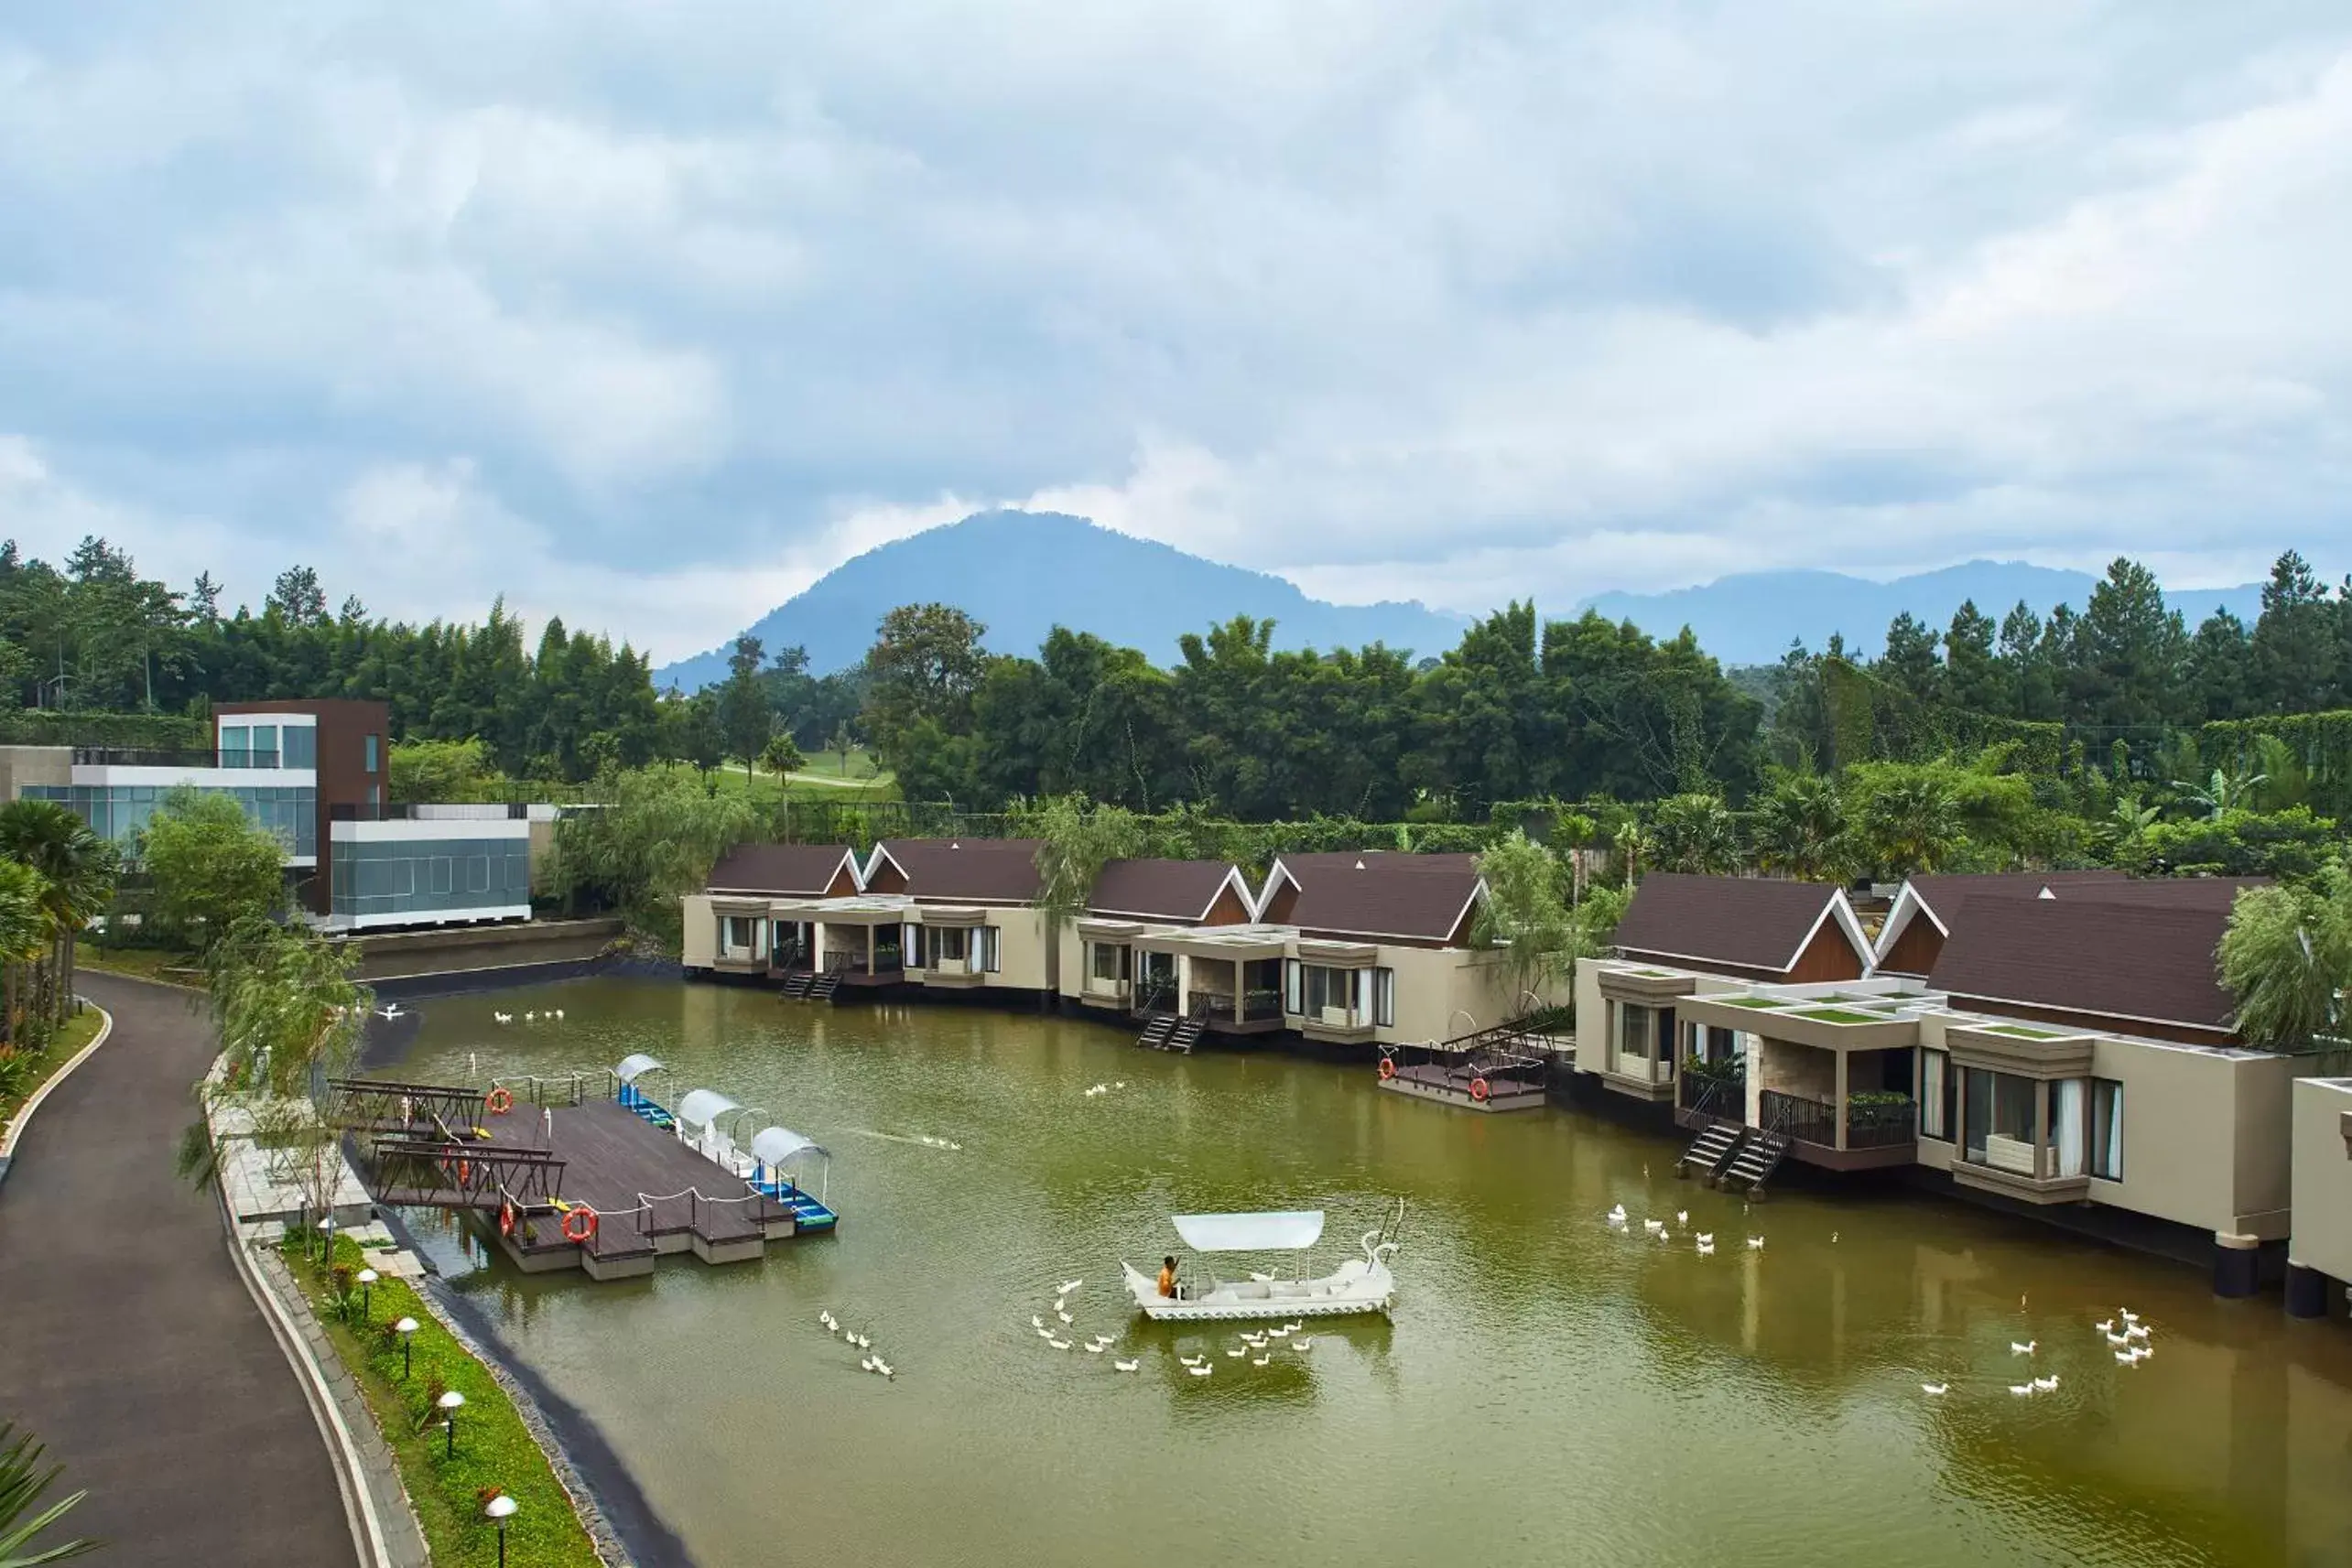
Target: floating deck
{"x": 1450, "y": 1083}
{"x": 650, "y": 1193}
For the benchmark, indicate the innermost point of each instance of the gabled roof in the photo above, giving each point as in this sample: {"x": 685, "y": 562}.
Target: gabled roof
{"x": 1939, "y": 898}
{"x": 989, "y": 870}
{"x": 1376, "y": 894}
{"x": 802, "y": 871}
{"x": 1741, "y": 923}
{"x": 2134, "y": 959}
{"x": 1166, "y": 890}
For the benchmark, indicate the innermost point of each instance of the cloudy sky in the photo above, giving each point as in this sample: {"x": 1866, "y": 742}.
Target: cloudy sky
{"x": 650, "y": 313}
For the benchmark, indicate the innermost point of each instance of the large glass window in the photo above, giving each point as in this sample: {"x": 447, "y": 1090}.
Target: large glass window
{"x": 1110, "y": 963}
{"x": 265, "y": 746}
{"x": 375, "y": 753}
{"x": 426, "y": 878}
{"x": 1384, "y": 998}
{"x": 297, "y": 746}
{"x": 1635, "y": 1026}
{"x": 2106, "y": 1130}
{"x": 1326, "y": 989}
{"x": 989, "y": 948}
{"x": 236, "y": 747}
{"x": 1934, "y": 1091}
{"x": 2000, "y": 1112}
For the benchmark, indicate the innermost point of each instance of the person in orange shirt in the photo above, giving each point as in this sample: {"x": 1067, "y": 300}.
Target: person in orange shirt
{"x": 1167, "y": 1278}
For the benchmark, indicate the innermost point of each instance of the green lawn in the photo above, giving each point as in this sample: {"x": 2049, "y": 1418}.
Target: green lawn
{"x": 807, "y": 786}
{"x": 22, "y": 1072}
{"x": 1755, "y": 1001}
{"x": 167, "y": 963}
{"x": 495, "y": 1452}
{"x": 1839, "y": 1015}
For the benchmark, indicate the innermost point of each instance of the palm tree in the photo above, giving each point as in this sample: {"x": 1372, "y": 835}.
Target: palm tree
{"x": 1799, "y": 828}
{"x": 1694, "y": 833}
{"x": 1911, "y": 826}
{"x": 23, "y": 930}
{"x": 77, "y": 867}
{"x": 2287, "y": 960}
{"x": 22, "y": 1482}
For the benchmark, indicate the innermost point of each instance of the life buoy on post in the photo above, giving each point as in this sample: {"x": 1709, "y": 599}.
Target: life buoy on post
{"x": 579, "y": 1225}
{"x": 1388, "y": 1069}
{"x": 1478, "y": 1090}
{"x": 499, "y": 1101}
{"x": 465, "y": 1172}
{"x": 506, "y": 1219}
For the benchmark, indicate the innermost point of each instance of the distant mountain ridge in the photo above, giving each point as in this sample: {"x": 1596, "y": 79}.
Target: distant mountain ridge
{"x": 1751, "y": 617}
{"x": 1021, "y": 573}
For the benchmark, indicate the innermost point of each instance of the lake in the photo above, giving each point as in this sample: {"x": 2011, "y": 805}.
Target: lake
{"x": 1549, "y": 1389}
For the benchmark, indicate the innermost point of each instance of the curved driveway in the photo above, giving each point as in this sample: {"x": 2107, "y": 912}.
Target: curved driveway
{"x": 128, "y": 1343}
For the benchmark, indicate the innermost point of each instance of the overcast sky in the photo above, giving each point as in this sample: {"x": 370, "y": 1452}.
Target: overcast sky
{"x": 650, "y": 313}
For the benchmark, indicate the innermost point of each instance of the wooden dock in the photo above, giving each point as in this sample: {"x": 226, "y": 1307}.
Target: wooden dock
{"x": 650, "y": 1193}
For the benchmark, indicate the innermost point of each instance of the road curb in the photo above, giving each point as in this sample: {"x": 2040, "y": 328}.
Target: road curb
{"x": 11, "y": 1134}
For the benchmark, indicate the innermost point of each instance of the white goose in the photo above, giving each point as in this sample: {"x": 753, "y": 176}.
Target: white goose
{"x": 1935, "y": 1391}
{"x": 1755, "y": 1244}
{"x": 559, "y": 1020}
{"x": 2020, "y": 1388}
{"x": 2045, "y": 1385}
{"x": 1059, "y": 1343}
{"x": 2024, "y": 1349}
{"x": 1260, "y": 1360}
{"x": 497, "y": 1017}
{"x": 884, "y": 1368}
{"x": 2127, "y": 1357}
{"x": 2106, "y": 1328}
{"x": 1301, "y": 1345}
{"x": 1682, "y": 1216}
{"x": 1128, "y": 1366}
{"x": 1068, "y": 1286}
{"x": 1707, "y": 1248}
{"x": 1706, "y": 1238}
{"x": 1200, "y": 1371}
{"x": 1237, "y": 1354}
{"x": 1035, "y": 1321}
{"x": 1615, "y": 1215}
{"x": 1096, "y": 1349}
{"x": 2137, "y": 1331}
{"x": 1063, "y": 1315}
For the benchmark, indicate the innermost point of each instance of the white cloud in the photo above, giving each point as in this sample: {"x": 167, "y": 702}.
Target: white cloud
{"x": 650, "y": 324}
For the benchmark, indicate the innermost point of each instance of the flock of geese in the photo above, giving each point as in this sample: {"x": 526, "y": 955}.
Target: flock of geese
{"x": 554, "y": 1015}
{"x": 873, "y": 1362}
{"x": 2130, "y": 1346}
{"x": 1258, "y": 1348}
{"x": 1657, "y": 1230}
{"x": 1104, "y": 1089}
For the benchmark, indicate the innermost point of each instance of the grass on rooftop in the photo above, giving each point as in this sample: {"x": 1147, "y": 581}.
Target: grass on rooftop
{"x": 1838, "y": 1015}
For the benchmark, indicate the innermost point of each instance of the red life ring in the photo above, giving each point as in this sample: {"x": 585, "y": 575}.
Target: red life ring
{"x": 465, "y": 1172}
{"x": 1388, "y": 1069}
{"x": 499, "y": 1101}
{"x": 1478, "y": 1090}
{"x": 585, "y": 1228}
{"x": 506, "y": 1219}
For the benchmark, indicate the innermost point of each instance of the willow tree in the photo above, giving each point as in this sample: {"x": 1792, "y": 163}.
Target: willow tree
{"x": 2286, "y": 959}
{"x": 1526, "y": 916}
{"x": 291, "y": 1018}
{"x": 652, "y": 843}
{"x": 1075, "y": 840}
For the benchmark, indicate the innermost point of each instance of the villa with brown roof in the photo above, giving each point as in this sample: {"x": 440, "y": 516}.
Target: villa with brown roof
{"x": 1175, "y": 939}
{"x": 2071, "y": 1045}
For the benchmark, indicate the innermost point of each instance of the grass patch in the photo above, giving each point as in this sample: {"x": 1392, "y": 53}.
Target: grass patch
{"x": 166, "y": 964}
{"x": 494, "y": 1449}
{"x": 1839, "y": 1015}
{"x": 24, "y": 1072}
{"x": 2022, "y": 1032}
{"x": 764, "y": 790}
{"x": 1759, "y": 1002}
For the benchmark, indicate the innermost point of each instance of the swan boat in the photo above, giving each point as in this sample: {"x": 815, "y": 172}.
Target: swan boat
{"x": 1358, "y": 1285}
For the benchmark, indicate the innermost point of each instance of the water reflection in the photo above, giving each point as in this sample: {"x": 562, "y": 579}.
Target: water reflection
{"x": 1768, "y": 1400}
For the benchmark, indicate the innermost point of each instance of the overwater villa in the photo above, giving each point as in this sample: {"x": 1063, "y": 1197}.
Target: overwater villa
{"x": 2067, "y": 1052}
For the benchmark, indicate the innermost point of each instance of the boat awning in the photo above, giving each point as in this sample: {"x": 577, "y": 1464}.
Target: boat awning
{"x": 634, "y": 1068}
{"x": 774, "y": 1145}
{"x": 702, "y": 1106}
{"x": 1283, "y": 1232}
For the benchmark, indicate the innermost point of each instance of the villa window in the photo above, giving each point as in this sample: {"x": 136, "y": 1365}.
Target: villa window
{"x": 1998, "y": 1114}
{"x": 1293, "y": 988}
{"x": 298, "y": 747}
{"x": 1935, "y": 1094}
{"x": 1384, "y": 998}
{"x": 947, "y": 944}
{"x": 989, "y": 949}
{"x": 739, "y": 933}
{"x": 235, "y": 745}
{"x": 375, "y": 755}
{"x": 1635, "y": 1025}
{"x": 2106, "y": 1130}
{"x": 915, "y": 946}
{"x": 1109, "y": 962}
{"x": 1326, "y": 989}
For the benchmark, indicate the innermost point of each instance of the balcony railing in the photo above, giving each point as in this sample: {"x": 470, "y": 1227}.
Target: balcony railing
{"x": 135, "y": 757}
{"x": 1804, "y": 1121}
{"x": 1261, "y": 1006}
{"x": 425, "y": 811}
{"x": 1723, "y": 1096}
{"x": 1155, "y": 995}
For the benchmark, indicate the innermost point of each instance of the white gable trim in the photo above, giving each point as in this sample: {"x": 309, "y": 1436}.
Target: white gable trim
{"x": 1908, "y": 906}
{"x": 1240, "y": 885}
{"x": 873, "y": 864}
{"x": 1848, "y": 922}
{"x": 1266, "y": 895}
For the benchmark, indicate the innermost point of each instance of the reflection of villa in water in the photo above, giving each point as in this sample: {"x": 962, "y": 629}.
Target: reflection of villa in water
{"x": 2058, "y": 1046}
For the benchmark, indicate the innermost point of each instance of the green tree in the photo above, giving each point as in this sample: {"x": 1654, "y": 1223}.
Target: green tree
{"x": 2294, "y": 645}
{"x": 1075, "y": 839}
{"x": 1973, "y": 678}
{"x": 22, "y": 1482}
{"x": 1909, "y": 822}
{"x": 211, "y": 865}
{"x": 780, "y": 756}
{"x": 442, "y": 770}
{"x": 926, "y": 662}
{"x": 24, "y": 936}
{"x": 744, "y": 717}
{"x": 653, "y": 842}
{"x": 1910, "y": 660}
{"x": 1696, "y": 833}
{"x": 691, "y": 732}
{"x": 1799, "y": 828}
{"x": 2286, "y": 960}
{"x": 78, "y": 871}
{"x": 2131, "y": 650}
{"x": 1526, "y": 915}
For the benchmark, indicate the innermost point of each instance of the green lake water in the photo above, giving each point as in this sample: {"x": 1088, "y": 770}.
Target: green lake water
{"x": 1549, "y": 1390}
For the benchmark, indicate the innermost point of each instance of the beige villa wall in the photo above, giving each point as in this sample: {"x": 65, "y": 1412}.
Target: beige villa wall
{"x": 1022, "y": 950}
{"x": 701, "y": 948}
{"x": 1593, "y": 1017}
{"x": 1442, "y": 993}
{"x": 2204, "y": 1136}
{"x": 2322, "y": 1177}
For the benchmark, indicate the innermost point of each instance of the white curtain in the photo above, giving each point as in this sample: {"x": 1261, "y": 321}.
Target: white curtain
{"x": 1931, "y": 1096}
{"x": 2111, "y": 1136}
{"x": 2067, "y": 1111}
{"x": 1363, "y": 996}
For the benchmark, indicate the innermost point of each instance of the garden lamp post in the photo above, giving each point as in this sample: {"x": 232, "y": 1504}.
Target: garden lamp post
{"x": 407, "y": 1329}
{"x": 327, "y": 1243}
{"x": 451, "y": 1403}
{"x": 367, "y": 1292}
{"x": 502, "y": 1509}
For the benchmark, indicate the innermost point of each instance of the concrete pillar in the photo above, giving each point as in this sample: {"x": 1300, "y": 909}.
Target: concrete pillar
{"x": 2236, "y": 1269}
{"x": 817, "y": 946}
{"x": 1840, "y": 1106}
{"x": 869, "y": 951}
{"x": 1183, "y": 985}
{"x": 2306, "y": 1290}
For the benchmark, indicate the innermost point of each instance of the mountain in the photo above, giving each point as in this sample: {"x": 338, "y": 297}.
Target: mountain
{"x": 1751, "y": 617}
{"x": 1021, "y": 573}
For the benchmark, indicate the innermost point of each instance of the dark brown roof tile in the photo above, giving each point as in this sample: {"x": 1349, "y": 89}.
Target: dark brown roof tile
{"x": 1742, "y": 922}
{"x": 796, "y": 870}
{"x": 2131, "y": 958}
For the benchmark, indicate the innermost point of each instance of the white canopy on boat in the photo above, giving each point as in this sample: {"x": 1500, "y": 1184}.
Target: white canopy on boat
{"x": 702, "y": 1106}
{"x": 633, "y": 1066}
{"x": 774, "y": 1145}
{"x": 1294, "y": 1231}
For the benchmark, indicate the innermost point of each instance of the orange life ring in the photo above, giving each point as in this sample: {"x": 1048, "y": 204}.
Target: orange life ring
{"x": 499, "y": 1101}
{"x": 465, "y": 1172}
{"x": 584, "y": 1229}
{"x": 1478, "y": 1090}
{"x": 506, "y": 1219}
{"x": 1388, "y": 1069}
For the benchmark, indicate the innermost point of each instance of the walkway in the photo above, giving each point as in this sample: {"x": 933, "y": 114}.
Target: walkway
{"x": 127, "y": 1343}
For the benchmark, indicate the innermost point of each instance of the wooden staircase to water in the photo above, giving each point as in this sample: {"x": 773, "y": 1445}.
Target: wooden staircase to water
{"x": 1167, "y": 1031}
{"x": 1735, "y": 1158}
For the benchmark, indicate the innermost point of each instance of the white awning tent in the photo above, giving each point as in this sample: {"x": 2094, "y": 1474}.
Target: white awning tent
{"x": 774, "y": 1147}
{"x": 632, "y": 1067}
{"x": 1286, "y": 1232}
{"x": 699, "y": 1115}
{"x": 703, "y": 1106}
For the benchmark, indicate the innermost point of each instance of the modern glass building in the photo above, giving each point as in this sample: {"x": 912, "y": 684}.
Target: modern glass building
{"x": 431, "y": 870}
{"x": 119, "y": 811}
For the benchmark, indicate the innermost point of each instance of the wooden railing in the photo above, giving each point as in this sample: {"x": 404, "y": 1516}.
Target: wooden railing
{"x": 1804, "y": 1121}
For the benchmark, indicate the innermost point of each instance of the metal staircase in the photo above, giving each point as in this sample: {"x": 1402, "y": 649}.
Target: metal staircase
{"x": 798, "y": 983}
{"x": 822, "y": 987}
{"x": 1711, "y": 1150}
{"x": 1185, "y": 1036}
{"x": 1156, "y": 1032}
{"x": 1751, "y": 1165}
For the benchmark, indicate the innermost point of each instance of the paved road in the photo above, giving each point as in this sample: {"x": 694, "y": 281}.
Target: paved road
{"x": 127, "y": 1343}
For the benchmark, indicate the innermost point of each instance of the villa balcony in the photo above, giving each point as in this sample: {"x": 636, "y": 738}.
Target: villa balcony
{"x": 1868, "y": 1136}
{"x": 1338, "y": 1027}
{"x": 850, "y": 966}
{"x": 1254, "y": 1012}
{"x": 1703, "y": 1100}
